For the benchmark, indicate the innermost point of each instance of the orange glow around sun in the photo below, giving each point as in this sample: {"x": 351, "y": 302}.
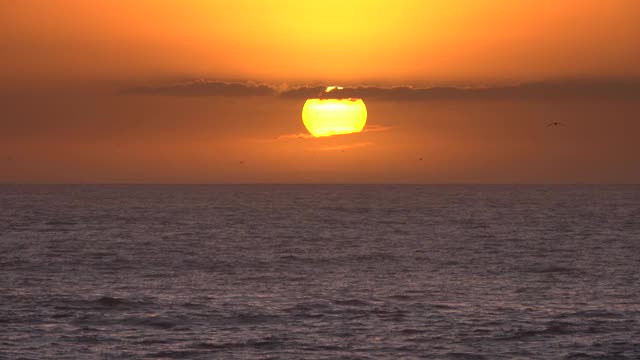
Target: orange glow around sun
{"x": 326, "y": 117}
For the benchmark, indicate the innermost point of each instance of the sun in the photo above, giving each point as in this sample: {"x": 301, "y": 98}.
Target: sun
{"x": 334, "y": 116}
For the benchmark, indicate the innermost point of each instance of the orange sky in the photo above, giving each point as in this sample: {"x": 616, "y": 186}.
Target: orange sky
{"x": 397, "y": 41}
{"x": 69, "y": 114}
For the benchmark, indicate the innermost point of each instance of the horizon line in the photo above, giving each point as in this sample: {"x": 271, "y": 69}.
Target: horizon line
{"x": 323, "y": 184}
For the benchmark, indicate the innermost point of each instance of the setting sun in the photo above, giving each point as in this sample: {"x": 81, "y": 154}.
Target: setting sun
{"x": 326, "y": 117}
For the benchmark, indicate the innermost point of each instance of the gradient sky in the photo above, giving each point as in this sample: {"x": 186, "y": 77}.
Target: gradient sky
{"x": 122, "y": 91}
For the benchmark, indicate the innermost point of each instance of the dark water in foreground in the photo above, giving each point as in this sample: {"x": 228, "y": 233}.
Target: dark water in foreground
{"x": 319, "y": 272}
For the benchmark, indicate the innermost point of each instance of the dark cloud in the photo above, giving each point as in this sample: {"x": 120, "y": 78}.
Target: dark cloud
{"x": 205, "y": 88}
{"x": 564, "y": 90}
{"x": 543, "y": 90}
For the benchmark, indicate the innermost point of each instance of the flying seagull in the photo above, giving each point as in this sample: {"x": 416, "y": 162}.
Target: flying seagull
{"x": 555, "y": 124}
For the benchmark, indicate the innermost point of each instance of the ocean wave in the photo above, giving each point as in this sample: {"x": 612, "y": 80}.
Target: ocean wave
{"x": 550, "y": 328}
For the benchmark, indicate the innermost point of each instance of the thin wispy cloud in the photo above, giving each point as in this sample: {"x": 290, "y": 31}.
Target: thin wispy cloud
{"x": 375, "y": 128}
{"x": 303, "y": 136}
{"x": 345, "y": 147}
{"x": 295, "y": 136}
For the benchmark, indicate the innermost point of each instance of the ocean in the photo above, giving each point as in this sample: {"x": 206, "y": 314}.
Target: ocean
{"x": 319, "y": 272}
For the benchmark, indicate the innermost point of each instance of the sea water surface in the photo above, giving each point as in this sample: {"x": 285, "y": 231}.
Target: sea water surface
{"x": 320, "y": 272}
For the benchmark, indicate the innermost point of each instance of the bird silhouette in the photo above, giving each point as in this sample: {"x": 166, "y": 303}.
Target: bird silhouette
{"x": 555, "y": 124}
